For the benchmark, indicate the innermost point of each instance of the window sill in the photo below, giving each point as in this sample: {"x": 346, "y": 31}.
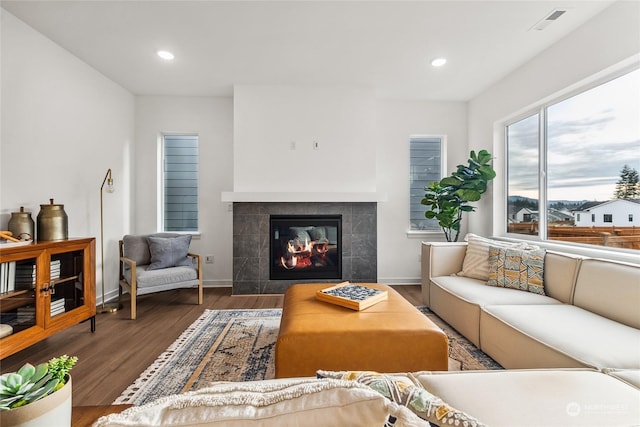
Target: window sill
{"x": 417, "y": 234}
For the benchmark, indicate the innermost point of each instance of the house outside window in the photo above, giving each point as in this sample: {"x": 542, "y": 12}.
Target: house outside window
{"x": 544, "y": 168}
{"x": 179, "y": 170}
{"x": 426, "y": 165}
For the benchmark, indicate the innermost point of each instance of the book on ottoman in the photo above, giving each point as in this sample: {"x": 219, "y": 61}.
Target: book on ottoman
{"x": 355, "y": 297}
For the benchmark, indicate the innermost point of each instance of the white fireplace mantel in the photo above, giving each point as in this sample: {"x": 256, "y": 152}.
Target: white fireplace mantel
{"x": 241, "y": 196}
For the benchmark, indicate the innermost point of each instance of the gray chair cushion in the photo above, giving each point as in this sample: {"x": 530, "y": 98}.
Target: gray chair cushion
{"x": 148, "y": 281}
{"x": 169, "y": 251}
{"x": 136, "y": 248}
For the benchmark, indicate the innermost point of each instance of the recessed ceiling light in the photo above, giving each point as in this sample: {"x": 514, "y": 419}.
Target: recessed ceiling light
{"x": 165, "y": 54}
{"x": 438, "y": 62}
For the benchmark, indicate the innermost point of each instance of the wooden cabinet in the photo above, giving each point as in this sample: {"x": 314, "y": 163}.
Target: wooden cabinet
{"x": 45, "y": 287}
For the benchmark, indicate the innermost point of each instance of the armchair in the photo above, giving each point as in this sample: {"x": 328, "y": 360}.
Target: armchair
{"x": 157, "y": 262}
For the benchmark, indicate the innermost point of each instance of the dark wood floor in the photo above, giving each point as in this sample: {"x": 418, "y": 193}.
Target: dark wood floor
{"x": 112, "y": 357}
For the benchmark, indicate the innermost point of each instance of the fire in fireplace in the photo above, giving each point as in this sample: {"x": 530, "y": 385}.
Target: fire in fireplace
{"x": 305, "y": 247}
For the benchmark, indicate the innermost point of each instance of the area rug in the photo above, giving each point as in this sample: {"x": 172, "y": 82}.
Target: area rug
{"x": 239, "y": 345}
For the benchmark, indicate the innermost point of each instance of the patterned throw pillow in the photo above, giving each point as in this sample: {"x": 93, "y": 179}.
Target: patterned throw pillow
{"x": 476, "y": 260}
{"x": 401, "y": 390}
{"x": 521, "y": 269}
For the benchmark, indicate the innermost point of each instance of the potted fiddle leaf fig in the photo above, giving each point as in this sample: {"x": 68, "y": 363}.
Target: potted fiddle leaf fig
{"x": 37, "y": 395}
{"x": 448, "y": 198}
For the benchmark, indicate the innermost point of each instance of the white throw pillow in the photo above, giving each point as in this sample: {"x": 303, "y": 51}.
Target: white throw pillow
{"x": 291, "y": 402}
{"x": 476, "y": 260}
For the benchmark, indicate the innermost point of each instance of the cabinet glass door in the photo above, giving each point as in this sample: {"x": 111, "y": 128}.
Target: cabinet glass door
{"x": 66, "y": 283}
{"x": 17, "y": 296}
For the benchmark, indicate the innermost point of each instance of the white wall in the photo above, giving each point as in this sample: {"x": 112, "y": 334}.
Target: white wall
{"x": 611, "y": 37}
{"x": 212, "y": 119}
{"x": 63, "y": 125}
{"x": 396, "y": 121}
{"x": 269, "y": 119}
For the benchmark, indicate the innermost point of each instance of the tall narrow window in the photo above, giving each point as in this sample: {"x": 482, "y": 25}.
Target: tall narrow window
{"x": 180, "y": 183}
{"x": 425, "y": 166}
{"x": 523, "y": 191}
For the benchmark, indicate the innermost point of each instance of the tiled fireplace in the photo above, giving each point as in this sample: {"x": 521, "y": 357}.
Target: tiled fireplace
{"x": 314, "y": 241}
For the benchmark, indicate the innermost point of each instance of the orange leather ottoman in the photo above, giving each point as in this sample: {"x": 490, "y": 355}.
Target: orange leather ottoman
{"x": 390, "y": 336}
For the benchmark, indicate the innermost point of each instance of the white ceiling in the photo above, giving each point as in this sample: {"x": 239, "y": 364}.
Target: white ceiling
{"x": 382, "y": 44}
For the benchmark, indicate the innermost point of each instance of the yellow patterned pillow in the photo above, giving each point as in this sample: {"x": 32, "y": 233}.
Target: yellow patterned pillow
{"x": 401, "y": 390}
{"x": 521, "y": 269}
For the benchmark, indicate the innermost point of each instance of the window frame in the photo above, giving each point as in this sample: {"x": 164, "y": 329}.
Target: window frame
{"x": 161, "y": 187}
{"x": 500, "y": 203}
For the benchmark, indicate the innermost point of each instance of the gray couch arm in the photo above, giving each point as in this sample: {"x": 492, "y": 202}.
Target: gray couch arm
{"x": 440, "y": 259}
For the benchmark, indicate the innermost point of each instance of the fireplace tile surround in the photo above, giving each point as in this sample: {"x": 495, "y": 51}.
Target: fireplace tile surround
{"x": 251, "y": 242}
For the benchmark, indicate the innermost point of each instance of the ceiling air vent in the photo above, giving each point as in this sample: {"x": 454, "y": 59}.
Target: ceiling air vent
{"x": 551, "y": 17}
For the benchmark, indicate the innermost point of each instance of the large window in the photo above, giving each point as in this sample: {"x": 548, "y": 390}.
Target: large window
{"x": 579, "y": 155}
{"x": 426, "y": 164}
{"x": 180, "y": 183}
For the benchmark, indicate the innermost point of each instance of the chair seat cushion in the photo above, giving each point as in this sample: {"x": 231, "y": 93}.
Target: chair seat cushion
{"x": 165, "y": 278}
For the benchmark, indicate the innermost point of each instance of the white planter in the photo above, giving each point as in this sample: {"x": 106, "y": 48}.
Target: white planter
{"x": 51, "y": 411}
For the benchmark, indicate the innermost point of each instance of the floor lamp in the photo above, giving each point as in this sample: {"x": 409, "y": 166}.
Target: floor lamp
{"x": 105, "y": 308}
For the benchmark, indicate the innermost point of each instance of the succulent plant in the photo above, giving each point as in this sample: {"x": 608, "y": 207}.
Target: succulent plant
{"x": 31, "y": 383}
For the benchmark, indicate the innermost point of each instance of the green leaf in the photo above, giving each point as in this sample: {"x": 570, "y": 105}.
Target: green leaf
{"x": 44, "y": 391}
{"x": 27, "y": 371}
{"x": 484, "y": 157}
{"x": 14, "y": 381}
{"x": 451, "y": 180}
{"x": 41, "y": 371}
{"x": 470, "y": 195}
{"x": 43, "y": 381}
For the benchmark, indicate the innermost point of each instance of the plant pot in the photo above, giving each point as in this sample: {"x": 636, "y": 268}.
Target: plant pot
{"x": 53, "y": 410}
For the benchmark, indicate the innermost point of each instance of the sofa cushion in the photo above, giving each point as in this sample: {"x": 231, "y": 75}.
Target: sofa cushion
{"x": 555, "y": 331}
{"x": 401, "y": 390}
{"x": 515, "y": 268}
{"x": 169, "y": 251}
{"x": 629, "y": 376}
{"x": 611, "y": 289}
{"x": 148, "y": 281}
{"x": 296, "y": 402}
{"x": 568, "y": 397}
{"x": 477, "y": 292}
{"x": 560, "y": 272}
{"x": 476, "y": 260}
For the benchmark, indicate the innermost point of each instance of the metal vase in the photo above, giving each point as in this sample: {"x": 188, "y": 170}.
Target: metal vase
{"x": 52, "y": 222}
{"x": 21, "y": 225}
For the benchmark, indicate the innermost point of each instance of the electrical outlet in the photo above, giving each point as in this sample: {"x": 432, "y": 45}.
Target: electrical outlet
{"x": 208, "y": 259}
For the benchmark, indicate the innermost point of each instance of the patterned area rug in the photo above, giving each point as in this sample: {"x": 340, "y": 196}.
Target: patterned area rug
{"x": 239, "y": 345}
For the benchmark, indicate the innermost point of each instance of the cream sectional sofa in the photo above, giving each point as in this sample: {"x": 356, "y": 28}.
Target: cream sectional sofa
{"x": 509, "y": 398}
{"x": 589, "y": 317}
